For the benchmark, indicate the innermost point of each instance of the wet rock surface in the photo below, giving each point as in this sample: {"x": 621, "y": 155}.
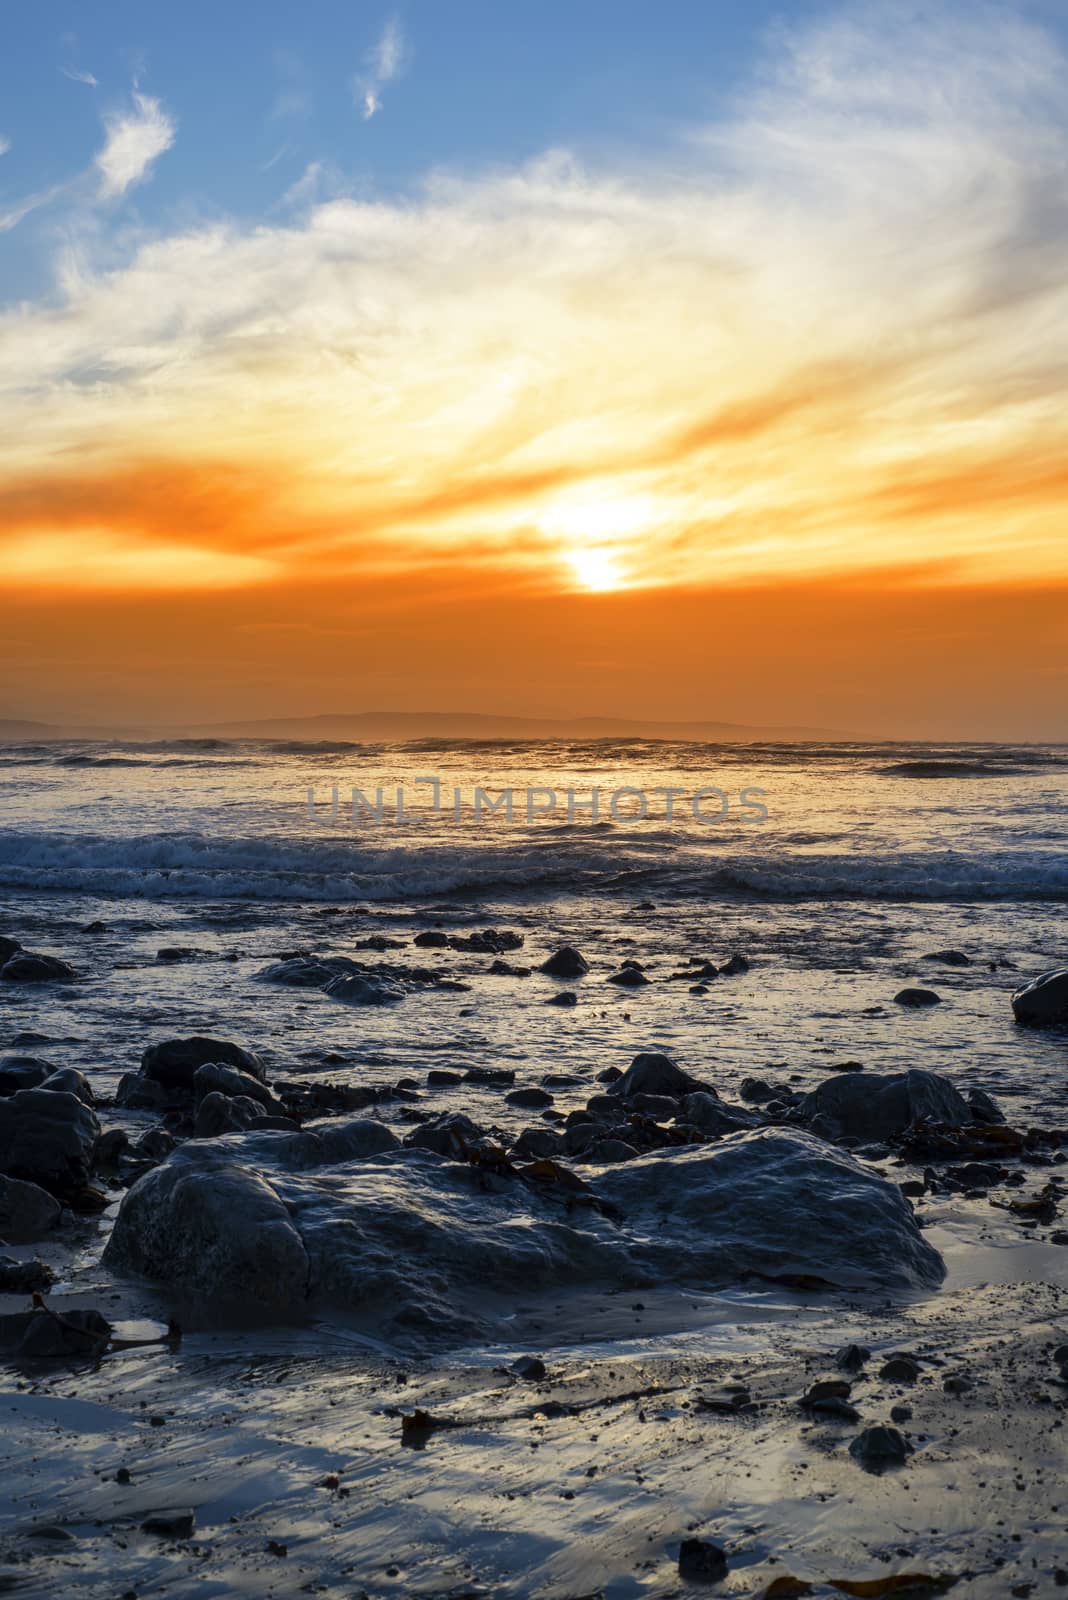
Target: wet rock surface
{"x": 868, "y": 1105}
{"x": 47, "y": 1138}
{"x": 416, "y": 1235}
{"x": 1044, "y": 1001}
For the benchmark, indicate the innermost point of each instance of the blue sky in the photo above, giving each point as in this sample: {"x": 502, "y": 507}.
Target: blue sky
{"x": 257, "y": 99}
{"x": 257, "y": 94}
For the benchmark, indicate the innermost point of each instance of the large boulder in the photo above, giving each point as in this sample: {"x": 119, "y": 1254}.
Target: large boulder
{"x": 872, "y": 1105}
{"x": 649, "y": 1073}
{"x": 27, "y": 1212}
{"x": 1044, "y": 1001}
{"x": 48, "y": 1138}
{"x": 417, "y": 1248}
{"x": 174, "y": 1062}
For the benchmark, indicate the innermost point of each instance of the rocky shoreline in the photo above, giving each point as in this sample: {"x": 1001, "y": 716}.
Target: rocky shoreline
{"x": 428, "y": 1216}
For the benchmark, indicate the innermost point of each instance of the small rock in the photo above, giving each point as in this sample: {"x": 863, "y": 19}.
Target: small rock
{"x": 23, "y": 967}
{"x": 24, "y": 1277}
{"x": 533, "y": 1099}
{"x": 628, "y": 978}
{"x": 701, "y": 1561}
{"x": 170, "y": 1524}
{"x": 530, "y": 1368}
{"x": 27, "y": 1212}
{"x": 917, "y": 998}
{"x": 880, "y": 1447}
{"x": 852, "y": 1357}
{"x": 566, "y": 962}
{"x": 900, "y": 1369}
{"x": 732, "y": 967}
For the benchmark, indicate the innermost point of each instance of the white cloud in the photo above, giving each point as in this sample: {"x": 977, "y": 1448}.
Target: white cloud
{"x": 382, "y": 64}
{"x": 5, "y": 145}
{"x": 855, "y": 279}
{"x": 77, "y": 76}
{"x": 134, "y": 141}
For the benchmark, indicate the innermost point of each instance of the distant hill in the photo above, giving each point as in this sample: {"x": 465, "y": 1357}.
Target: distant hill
{"x": 373, "y": 727}
{"x": 401, "y": 725}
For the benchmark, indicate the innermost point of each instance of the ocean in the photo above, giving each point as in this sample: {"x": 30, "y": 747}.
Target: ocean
{"x": 871, "y": 859}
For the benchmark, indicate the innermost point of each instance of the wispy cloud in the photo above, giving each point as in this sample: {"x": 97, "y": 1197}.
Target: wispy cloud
{"x": 135, "y": 139}
{"x": 29, "y": 203}
{"x": 830, "y": 336}
{"x": 77, "y": 76}
{"x": 382, "y": 64}
{"x": 5, "y": 145}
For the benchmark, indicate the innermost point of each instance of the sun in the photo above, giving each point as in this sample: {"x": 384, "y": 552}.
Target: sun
{"x": 596, "y": 570}
{"x": 592, "y": 531}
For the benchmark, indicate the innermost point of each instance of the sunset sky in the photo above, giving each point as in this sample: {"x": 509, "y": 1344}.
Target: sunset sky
{"x": 699, "y": 360}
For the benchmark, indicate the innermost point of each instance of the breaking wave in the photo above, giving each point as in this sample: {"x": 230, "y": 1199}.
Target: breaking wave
{"x": 292, "y": 868}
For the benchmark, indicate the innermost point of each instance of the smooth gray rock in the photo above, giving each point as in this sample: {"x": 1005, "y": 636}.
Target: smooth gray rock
{"x": 1044, "y": 1001}
{"x": 215, "y": 1077}
{"x": 532, "y": 1098}
{"x": 537, "y": 1144}
{"x": 68, "y": 1080}
{"x": 136, "y": 1093}
{"x": 917, "y": 999}
{"x": 214, "y": 1232}
{"x": 871, "y": 1105}
{"x": 712, "y": 1115}
{"x": 27, "y": 1212}
{"x": 174, "y": 1062}
{"x": 222, "y": 1113}
{"x": 364, "y": 989}
{"x": 48, "y": 1138}
{"x": 422, "y": 1250}
{"x": 628, "y": 978}
{"x": 650, "y": 1073}
{"x": 23, "y": 1072}
{"x": 567, "y": 962}
{"x": 27, "y": 967}
{"x": 307, "y": 972}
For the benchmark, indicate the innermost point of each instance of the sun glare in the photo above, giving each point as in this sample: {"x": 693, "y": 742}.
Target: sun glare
{"x": 595, "y": 569}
